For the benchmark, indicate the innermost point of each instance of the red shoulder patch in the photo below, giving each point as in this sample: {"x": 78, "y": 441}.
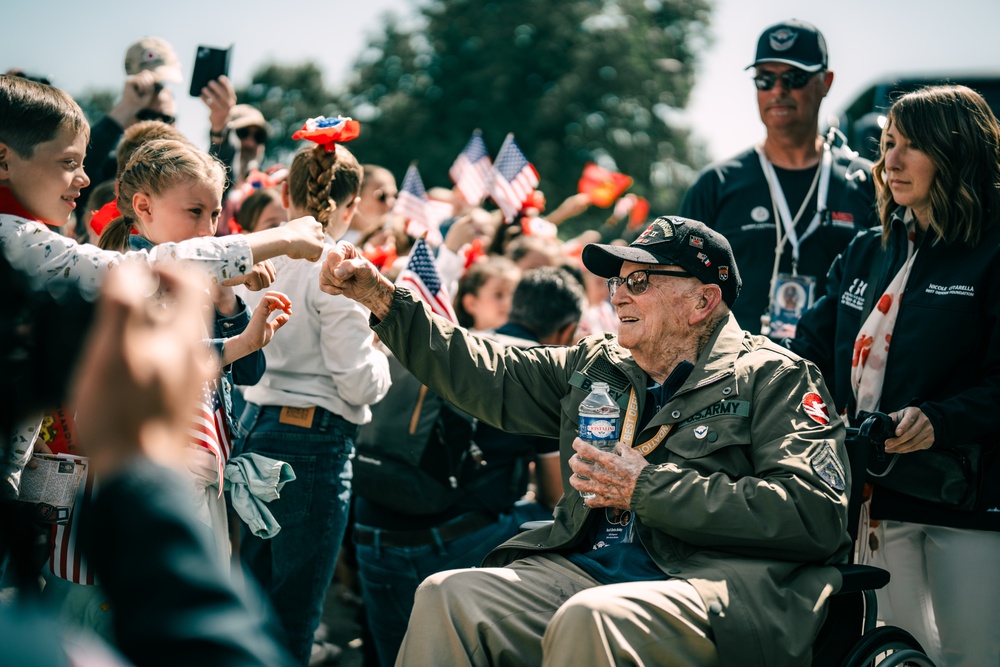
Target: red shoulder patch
{"x": 814, "y": 406}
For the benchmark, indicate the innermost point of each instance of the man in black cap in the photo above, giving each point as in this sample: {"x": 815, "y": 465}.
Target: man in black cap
{"x": 790, "y": 204}
{"x": 711, "y": 525}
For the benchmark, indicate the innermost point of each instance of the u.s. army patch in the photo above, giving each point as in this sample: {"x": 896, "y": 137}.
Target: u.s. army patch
{"x": 829, "y": 468}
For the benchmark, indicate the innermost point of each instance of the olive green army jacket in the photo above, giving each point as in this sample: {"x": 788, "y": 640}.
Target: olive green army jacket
{"x": 746, "y": 498}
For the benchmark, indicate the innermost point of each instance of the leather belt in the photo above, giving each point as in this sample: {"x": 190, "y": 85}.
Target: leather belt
{"x": 449, "y": 530}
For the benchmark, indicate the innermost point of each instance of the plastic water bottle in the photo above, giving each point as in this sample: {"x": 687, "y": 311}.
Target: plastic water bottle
{"x": 599, "y": 420}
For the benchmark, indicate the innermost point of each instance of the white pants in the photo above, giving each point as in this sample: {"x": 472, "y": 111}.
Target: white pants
{"x": 945, "y": 590}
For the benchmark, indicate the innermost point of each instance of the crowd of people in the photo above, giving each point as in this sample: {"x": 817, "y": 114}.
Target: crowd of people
{"x": 286, "y": 384}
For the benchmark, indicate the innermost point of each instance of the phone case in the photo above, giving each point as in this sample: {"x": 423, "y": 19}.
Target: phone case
{"x": 209, "y": 64}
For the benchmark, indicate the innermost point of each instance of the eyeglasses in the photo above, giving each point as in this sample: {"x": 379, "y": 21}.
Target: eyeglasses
{"x": 637, "y": 282}
{"x": 149, "y": 114}
{"x": 384, "y": 196}
{"x": 793, "y": 79}
{"x": 258, "y": 135}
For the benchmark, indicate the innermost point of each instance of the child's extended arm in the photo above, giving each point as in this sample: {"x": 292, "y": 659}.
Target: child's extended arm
{"x": 260, "y": 331}
{"x": 39, "y": 252}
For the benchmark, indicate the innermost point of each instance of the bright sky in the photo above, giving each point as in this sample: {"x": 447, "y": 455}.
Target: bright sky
{"x": 80, "y": 46}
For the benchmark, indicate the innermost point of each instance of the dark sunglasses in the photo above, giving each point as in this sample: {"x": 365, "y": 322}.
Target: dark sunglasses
{"x": 258, "y": 135}
{"x": 793, "y": 79}
{"x": 149, "y": 114}
{"x": 637, "y": 282}
{"x": 384, "y": 196}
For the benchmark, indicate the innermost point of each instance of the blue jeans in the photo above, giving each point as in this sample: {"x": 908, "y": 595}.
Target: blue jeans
{"x": 294, "y": 567}
{"x": 390, "y": 575}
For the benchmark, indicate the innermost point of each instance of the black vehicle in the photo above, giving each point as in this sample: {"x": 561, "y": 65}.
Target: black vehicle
{"x": 860, "y": 120}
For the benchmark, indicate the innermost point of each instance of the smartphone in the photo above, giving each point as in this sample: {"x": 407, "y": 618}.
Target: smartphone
{"x": 209, "y": 64}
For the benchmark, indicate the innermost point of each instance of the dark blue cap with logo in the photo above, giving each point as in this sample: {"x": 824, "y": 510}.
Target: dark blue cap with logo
{"x": 794, "y": 43}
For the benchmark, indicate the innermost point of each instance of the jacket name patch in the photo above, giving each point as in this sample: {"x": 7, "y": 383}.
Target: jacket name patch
{"x": 951, "y": 290}
{"x": 738, "y": 408}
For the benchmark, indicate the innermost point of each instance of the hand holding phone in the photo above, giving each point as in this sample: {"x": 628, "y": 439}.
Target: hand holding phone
{"x": 209, "y": 64}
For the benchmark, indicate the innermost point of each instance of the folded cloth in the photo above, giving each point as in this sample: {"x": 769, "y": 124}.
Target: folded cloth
{"x": 253, "y": 480}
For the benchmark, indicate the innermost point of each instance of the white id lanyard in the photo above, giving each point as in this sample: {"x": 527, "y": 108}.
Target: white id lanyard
{"x": 781, "y": 210}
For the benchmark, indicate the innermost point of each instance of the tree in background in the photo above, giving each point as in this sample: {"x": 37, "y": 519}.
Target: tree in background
{"x": 575, "y": 80}
{"x": 287, "y": 95}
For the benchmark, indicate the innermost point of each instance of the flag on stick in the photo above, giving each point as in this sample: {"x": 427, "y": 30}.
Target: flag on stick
{"x": 421, "y": 276}
{"x": 472, "y": 170}
{"x": 514, "y": 178}
{"x": 601, "y": 185}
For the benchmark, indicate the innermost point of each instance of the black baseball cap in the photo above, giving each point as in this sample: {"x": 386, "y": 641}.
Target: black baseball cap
{"x": 673, "y": 241}
{"x": 792, "y": 42}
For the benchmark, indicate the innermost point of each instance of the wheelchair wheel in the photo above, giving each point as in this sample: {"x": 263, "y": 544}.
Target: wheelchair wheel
{"x": 883, "y": 641}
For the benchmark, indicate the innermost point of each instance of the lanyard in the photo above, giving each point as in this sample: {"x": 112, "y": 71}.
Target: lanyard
{"x": 628, "y": 428}
{"x": 784, "y": 214}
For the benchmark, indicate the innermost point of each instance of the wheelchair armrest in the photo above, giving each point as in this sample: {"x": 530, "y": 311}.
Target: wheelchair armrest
{"x": 859, "y": 578}
{"x": 531, "y": 525}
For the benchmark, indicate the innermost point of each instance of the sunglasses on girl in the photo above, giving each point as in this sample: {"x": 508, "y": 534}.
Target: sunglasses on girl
{"x": 637, "y": 282}
{"x": 793, "y": 79}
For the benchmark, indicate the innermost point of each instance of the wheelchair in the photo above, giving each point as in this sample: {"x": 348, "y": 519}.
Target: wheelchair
{"x": 849, "y": 636}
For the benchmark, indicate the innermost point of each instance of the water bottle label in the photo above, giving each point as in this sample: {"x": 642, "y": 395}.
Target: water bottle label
{"x": 598, "y": 428}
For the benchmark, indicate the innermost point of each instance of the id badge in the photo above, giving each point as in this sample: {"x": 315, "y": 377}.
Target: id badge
{"x": 791, "y": 297}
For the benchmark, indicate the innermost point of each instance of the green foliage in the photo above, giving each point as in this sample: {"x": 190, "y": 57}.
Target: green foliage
{"x": 575, "y": 80}
{"x": 287, "y": 95}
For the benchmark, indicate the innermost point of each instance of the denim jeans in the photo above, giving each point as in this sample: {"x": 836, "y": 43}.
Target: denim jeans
{"x": 390, "y": 575}
{"x": 294, "y": 567}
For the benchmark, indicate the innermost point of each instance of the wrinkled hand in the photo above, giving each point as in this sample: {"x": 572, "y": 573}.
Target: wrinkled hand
{"x": 142, "y": 367}
{"x": 219, "y": 96}
{"x": 306, "y": 238}
{"x": 260, "y": 277}
{"x": 612, "y": 475}
{"x": 260, "y": 330}
{"x": 347, "y": 272}
{"x": 913, "y": 432}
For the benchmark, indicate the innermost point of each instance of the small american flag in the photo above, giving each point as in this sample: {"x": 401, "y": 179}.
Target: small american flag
{"x": 66, "y": 559}
{"x": 422, "y": 277}
{"x": 472, "y": 170}
{"x": 514, "y": 178}
{"x": 412, "y": 199}
{"x": 208, "y": 427}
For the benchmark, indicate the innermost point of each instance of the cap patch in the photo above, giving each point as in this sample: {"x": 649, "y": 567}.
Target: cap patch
{"x": 815, "y": 407}
{"x": 149, "y": 55}
{"x": 782, "y": 39}
{"x": 696, "y": 241}
{"x": 828, "y": 468}
{"x": 723, "y": 273}
{"x": 703, "y": 258}
{"x": 660, "y": 230}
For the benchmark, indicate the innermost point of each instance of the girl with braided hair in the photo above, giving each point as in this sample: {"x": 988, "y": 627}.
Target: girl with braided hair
{"x": 321, "y": 377}
{"x": 169, "y": 191}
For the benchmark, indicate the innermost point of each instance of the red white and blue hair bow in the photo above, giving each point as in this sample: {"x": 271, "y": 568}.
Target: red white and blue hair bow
{"x": 329, "y": 132}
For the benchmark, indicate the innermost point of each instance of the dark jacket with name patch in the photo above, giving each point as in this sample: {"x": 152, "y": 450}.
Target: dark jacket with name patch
{"x": 944, "y": 356}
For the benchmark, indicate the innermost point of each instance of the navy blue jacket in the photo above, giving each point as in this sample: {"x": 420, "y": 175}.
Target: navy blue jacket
{"x": 945, "y": 351}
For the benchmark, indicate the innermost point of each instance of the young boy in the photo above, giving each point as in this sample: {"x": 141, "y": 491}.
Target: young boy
{"x": 43, "y": 140}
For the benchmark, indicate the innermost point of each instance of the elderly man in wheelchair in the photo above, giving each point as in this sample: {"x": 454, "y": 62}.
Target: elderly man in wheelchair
{"x": 709, "y": 536}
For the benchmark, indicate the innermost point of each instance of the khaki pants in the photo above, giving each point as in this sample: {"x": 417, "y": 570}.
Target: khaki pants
{"x": 543, "y": 610}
